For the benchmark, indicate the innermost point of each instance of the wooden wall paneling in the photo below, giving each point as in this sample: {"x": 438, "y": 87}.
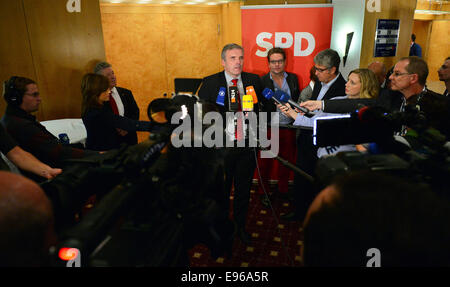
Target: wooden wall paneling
{"x": 134, "y": 46}
{"x": 231, "y": 27}
{"x": 192, "y": 45}
{"x": 422, "y": 30}
{"x": 390, "y": 9}
{"x": 63, "y": 45}
{"x": 439, "y": 47}
{"x": 281, "y": 2}
{"x": 15, "y": 50}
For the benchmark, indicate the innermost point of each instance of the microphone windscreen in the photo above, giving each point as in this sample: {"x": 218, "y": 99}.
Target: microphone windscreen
{"x": 282, "y": 96}
{"x": 267, "y": 93}
{"x": 233, "y": 93}
{"x": 247, "y": 103}
{"x": 250, "y": 90}
{"x": 221, "y": 96}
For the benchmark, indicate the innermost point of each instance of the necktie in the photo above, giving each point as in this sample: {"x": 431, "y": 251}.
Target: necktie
{"x": 113, "y": 104}
{"x": 239, "y": 126}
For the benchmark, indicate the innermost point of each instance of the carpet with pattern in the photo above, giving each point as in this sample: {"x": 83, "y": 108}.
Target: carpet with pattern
{"x": 275, "y": 243}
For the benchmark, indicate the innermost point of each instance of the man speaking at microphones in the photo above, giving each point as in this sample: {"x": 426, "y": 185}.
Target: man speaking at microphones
{"x": 226, "y": 89}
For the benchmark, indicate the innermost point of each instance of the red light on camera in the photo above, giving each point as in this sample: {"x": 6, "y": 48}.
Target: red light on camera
{"x": 67, "y": 254}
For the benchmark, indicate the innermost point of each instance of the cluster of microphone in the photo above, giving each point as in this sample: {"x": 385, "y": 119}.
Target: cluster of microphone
{"x": 250, "y": 98}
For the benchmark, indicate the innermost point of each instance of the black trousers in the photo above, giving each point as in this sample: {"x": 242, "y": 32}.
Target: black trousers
{"x": 240, "y": 165}
{"x": 304, "y": 190}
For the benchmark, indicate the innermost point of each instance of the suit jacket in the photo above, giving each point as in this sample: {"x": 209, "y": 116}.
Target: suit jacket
{"x": 336, "y": 89}
{"x": 101, "y": 124}
{"x": 131, "y": 111}
{"x": 212, "y": 84}
{"x": 292, "y": 82}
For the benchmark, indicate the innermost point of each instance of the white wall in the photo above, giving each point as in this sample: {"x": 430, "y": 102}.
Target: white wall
{"x": 348, "y": 16}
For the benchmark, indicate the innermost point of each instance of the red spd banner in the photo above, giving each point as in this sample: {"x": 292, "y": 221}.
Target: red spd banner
{"x": 301, "y": 31}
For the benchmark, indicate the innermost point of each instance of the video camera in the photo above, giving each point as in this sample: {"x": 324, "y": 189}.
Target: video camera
{"x": 154, "y": 201}
{"x": 420, "y": 155}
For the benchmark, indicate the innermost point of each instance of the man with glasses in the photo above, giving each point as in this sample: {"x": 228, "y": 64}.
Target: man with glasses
{"x": 22, "y": 96}
{"x": 331, "y": 84}
{"x": 279, "y": 79}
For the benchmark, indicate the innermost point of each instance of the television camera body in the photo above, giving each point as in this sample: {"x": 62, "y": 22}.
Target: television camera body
{"x": 154, "y": 202}
{"x": 421, "y": 155}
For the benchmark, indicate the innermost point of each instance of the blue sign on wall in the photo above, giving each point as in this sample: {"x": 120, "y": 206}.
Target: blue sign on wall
{"x": 386, "y": 38}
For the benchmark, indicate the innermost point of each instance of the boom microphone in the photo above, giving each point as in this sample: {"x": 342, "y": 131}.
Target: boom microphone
{"x": 285, "y": 98}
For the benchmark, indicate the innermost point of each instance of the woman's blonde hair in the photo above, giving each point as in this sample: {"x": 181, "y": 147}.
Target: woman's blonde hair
{"x": 370, "y": 87}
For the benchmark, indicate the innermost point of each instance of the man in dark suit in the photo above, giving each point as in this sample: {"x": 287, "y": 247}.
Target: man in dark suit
{"x": 331, "y": 84}
{"x": 239, "y": 162}
{"x": 121, "y": 101}
{"x": 279, "y": 79}
{"x": 415, "y": 49}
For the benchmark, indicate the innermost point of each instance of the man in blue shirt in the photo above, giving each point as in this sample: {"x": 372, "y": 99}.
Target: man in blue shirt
{"x": 279, "y": 79}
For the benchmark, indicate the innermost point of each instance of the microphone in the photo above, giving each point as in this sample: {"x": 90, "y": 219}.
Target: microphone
{"x": 247, "y": 103}
{"x": 221, "y": 97}
{"x": 268, "y": 94}
{"x": 250, "y": 90}
{"x": 233, "y": 92}
{"x": 285, "y": 98}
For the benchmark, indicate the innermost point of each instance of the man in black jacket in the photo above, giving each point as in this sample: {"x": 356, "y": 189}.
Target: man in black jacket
{"x": 239, "y": 161}
{"x": 121, "y": 101}
{"x": 331, "y": 84}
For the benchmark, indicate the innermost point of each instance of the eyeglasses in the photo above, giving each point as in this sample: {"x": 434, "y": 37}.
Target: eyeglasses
{"x": 320, "y": 70}
{"x": 273, "y": 62}
{"x": 35, "y": 94}
{"x": 397, "y": 74}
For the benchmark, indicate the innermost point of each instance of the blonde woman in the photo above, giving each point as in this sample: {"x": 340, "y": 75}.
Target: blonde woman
{"x": 362, "y": 83}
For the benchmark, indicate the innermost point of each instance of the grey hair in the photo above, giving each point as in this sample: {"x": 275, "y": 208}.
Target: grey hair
{"x": 100, "y": 66}
{"x": 328, "y": 58}
{"x": 230, "y": 47}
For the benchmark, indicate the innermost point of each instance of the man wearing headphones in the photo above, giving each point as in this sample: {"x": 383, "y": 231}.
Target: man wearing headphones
{"x": 22, "y": 96}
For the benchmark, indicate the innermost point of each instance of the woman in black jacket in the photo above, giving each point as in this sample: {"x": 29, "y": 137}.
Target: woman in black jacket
{"x": 99, "y": 119}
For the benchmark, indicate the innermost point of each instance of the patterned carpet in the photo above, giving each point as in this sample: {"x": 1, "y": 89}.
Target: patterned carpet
{"x": 274, "y": 242}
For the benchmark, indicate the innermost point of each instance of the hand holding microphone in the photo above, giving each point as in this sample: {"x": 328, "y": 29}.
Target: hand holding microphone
{"x": 285, "y": 98}
{"x": 287, "y": 110}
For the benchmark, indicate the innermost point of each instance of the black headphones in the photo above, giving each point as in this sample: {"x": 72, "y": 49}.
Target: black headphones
{"x": 12, "y": 95}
